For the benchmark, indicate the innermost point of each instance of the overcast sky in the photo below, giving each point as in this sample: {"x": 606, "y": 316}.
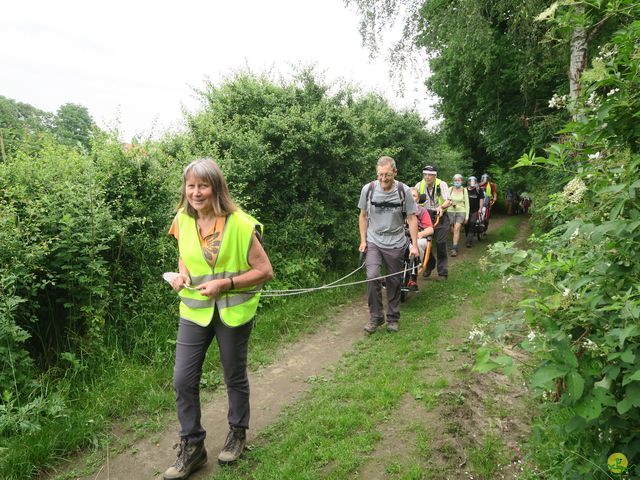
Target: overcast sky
{"x": 134, "y": 63}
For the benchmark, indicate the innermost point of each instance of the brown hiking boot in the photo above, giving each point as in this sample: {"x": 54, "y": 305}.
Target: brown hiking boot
{"x": 373, "y": 325}
{"x": 233, "y": 445}
{"x": 191, "y": 456}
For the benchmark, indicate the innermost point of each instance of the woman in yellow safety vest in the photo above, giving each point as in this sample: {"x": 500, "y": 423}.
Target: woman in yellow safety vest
{"x": 221, "y": 266}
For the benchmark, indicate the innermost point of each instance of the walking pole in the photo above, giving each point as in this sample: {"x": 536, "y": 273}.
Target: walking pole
{"x": 427, "y": 252}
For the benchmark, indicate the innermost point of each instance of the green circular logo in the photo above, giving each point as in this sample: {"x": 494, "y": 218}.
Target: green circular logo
{"x": 617, "y": 463}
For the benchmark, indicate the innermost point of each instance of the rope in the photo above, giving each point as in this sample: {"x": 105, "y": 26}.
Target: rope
{"x": 309, "y": 288}
{"x": 286, "y": 293}
{"x": 299, "y": 291}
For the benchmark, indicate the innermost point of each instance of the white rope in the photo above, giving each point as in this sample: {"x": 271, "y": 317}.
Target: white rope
{"x": 297, "y": 291}
{"x": 325, "y": 287}
{"x": 309, "y": 288}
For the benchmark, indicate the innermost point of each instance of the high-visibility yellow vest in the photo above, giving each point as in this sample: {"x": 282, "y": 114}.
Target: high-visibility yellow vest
{"x": 436, "y": 185}
{"x": 489, "y": 189}
{"x": 235, "y": 307}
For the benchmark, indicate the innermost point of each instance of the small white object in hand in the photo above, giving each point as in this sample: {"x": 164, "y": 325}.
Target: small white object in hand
{"x": 171, "y": 276}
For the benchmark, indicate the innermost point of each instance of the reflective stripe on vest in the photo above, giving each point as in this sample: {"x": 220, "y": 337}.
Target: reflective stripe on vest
{"x": 235, "y": 308}
{"x": 423, "y": 189}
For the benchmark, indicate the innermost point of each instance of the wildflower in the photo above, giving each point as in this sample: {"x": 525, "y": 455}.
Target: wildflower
{"x": 483, "y": 263}
{"x": 566, "y": 292}
{"x": 607, "y": 52}
{"x": 531, "y": 336}
{"x": 592, "y": 101}
{"x": 476, "y": 334}
{"x": 575, "y": 234}
{"x": 613, "y": 91}
{"x": 574, "y": 190}
{"x": 594, "y": 156}
{"x": 558, "y": 101}
{"x": 589, "y": 344}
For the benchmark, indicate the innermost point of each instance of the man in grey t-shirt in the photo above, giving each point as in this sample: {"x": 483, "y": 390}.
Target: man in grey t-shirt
{"x": 381, "y": 225}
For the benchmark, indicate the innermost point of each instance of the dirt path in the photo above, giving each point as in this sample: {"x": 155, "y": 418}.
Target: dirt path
{"x": 272, "y": 389}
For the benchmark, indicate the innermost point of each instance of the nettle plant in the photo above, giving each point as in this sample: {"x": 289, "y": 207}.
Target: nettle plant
{"x": 582, "y": 317}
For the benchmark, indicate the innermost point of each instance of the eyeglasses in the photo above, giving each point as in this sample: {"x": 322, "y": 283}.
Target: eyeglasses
{"x": 386, "y": 175}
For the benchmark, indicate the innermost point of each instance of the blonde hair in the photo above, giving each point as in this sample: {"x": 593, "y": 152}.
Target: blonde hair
{"x": 209, "y": 171}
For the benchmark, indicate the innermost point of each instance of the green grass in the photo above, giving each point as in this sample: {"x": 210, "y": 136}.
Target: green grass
{"x": 507, "y": 231}
{"x": 135, "y": 390}
{"x": 333, "y": 430}
{"x": 488, "y": 457}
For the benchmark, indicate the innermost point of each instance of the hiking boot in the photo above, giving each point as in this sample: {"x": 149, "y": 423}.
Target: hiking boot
{"x": 373, "y": 325}
{"x": 426, "y": 273}
{"x": 233, "y": 445}
{"x": 392, "y": 327}
{"x": 412, "y": 285}
{"x": 468, "y": 243}
{"x": 191, "y": 456}
{"x": 454, "y": 253}
{"x": 440, "y": 278}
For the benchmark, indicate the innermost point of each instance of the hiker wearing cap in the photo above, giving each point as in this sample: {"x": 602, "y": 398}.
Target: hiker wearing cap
{"x": 220, "y": 265}
{"x": 384, "y": 206}
{"x": 434, "y": 196}
{"x": 458, "y": 212}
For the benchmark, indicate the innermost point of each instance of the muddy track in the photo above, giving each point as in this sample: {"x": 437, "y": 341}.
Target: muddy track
{"x": 272, "y": 388}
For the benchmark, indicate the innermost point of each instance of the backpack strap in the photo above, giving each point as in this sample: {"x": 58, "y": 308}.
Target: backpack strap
{"x": 401, "y": 193}
{"x": 401, "y": 187}
{"x": 369, "y": 197}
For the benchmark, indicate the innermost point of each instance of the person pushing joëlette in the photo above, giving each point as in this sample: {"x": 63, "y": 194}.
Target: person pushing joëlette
{"x": 384, "y": 205}
{"x": 435, "y": 193}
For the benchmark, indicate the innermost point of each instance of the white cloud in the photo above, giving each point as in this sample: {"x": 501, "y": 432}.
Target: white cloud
{"x": 139, "y": 59}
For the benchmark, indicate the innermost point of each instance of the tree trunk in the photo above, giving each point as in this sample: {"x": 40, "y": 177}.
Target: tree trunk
{"x": 578, "y": 56}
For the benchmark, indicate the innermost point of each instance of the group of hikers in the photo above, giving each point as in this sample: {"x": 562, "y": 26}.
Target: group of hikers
{"x": 397, "y": 221}
{"x": 222, "y": 265}
{"x": 515, "y": 203}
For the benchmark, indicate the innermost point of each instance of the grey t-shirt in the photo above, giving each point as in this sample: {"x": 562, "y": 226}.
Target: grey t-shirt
{"x": 386, "y": 223}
